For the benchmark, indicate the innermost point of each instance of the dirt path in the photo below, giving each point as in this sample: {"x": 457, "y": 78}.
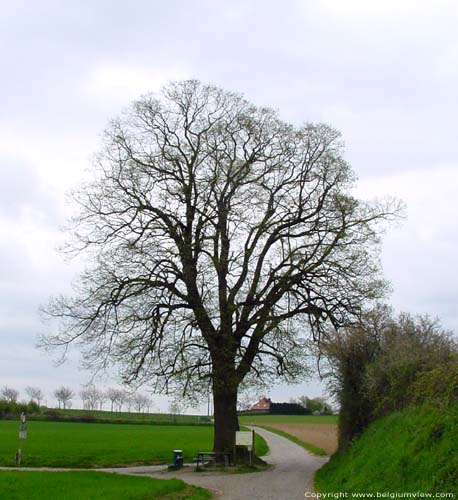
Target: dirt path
{"x": 289, "y": 479}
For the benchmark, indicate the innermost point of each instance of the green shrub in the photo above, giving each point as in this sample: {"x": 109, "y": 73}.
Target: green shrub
{"x": 438, "y": 386}
{"x": 376, "y": 365}
{"x": 410, "y": 347}
{"x": 13, "y": 409}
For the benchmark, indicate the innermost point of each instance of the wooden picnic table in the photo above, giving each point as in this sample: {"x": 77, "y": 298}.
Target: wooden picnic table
{"x": 210, "y": 457}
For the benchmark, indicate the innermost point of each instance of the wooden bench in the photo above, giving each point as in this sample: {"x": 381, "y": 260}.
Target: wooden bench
{"x": 210, "y": 458}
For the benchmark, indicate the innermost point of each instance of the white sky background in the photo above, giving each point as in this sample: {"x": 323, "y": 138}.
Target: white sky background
{"x": 385, "y": 73}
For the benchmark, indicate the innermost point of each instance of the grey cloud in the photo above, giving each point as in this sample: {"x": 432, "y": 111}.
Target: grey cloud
{"x": 23, "y": 192}
{"x": 387, "y": 81}
{"x": 305, "y": 60}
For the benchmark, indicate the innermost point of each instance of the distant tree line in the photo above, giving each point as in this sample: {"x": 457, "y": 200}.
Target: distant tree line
{"x": 288, "y": 409}
{"x": 92, "y": 399}
{"x": 314, "y": 406}
{"x": 9, "y": 404}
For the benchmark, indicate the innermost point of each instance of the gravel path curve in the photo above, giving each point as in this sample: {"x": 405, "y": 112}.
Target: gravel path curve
{"x": 289, "y": 479}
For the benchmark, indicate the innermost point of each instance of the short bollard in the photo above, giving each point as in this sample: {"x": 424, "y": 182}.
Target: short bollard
{"x": 178, "y": 458}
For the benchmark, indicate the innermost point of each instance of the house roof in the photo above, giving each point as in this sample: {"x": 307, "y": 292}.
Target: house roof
{"x": 262, "y": 404}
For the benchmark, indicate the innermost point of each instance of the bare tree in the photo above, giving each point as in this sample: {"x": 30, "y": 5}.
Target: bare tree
{"x": 129, "y": 401}
{"x": 91, "y": 397}
{"x": 140, "y": 402}
{"x": 102, "y": 397}
{"x": 175, "y": 408}
{"x": 123, "y": 398}
{"x": 38, "y": 396}
{"x": 221, "y": 237}
{"x": 64, "y": 396}
{"x": 114, "y": 395}
{"x": 10, "y": 394}
{"x": 35, "y": 394}
{"x": 148, "y": 404}
{"x": 84, "y": 398}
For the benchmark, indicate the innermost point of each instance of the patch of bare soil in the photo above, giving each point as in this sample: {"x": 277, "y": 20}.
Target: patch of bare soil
{"x": 322, "y": 435}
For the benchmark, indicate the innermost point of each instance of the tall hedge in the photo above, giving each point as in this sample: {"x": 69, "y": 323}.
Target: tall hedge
{"x": 438, "y": 386}
{"x": 288, "y": 409}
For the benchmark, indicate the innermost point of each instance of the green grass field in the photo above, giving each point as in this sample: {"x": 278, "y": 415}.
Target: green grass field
{"x": 20, "y": 485}
{"x": 287, "y": 419}
{"x": 67, "y": 444}
{"x": 415, "y": 450}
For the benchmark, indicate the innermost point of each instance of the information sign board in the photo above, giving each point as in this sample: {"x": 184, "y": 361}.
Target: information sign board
{"x": 244, "y": 438}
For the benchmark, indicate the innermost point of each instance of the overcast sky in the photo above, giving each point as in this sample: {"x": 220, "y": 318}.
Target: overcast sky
{"x": 385, "y": 73}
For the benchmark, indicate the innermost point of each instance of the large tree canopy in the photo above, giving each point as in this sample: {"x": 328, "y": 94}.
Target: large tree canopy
{"x": 220, "y": 236}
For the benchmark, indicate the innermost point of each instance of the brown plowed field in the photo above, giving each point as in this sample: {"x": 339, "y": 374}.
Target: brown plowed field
{"x": 322, "y": 435}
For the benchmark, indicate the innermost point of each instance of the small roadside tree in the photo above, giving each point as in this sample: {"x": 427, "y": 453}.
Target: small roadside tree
{"x": 92, "y": 398}
{"x": 217, "y": 232}
{"x": 148, "y": 404}
{"x": 140, "y": 402}
{"x": 35, "y": 394}
{"x": 123, "y": 398}
{"x": 64, "y": 395}
{"x": 175, "y": 409}
{"x": 9, "y": 394}
{"x": 316, "y": 405}
{"x": 114, "y": 395}
{"x": 102, "y": 397}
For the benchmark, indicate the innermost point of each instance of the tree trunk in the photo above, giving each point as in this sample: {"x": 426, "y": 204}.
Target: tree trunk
{"x": 225, "y": 413}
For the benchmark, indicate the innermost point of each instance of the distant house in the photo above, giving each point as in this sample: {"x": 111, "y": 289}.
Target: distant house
{"x": 263, "y": 405}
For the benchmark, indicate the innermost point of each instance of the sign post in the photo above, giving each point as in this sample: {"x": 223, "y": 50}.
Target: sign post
{"x": 245, "y": 438}
{"x": 22, "y": 437}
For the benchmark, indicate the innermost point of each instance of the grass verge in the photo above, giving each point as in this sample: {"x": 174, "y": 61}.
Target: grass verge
{"x": 21, "y": 485}
{"x": 415, "y": 450}
{"x": 260, "y": 445}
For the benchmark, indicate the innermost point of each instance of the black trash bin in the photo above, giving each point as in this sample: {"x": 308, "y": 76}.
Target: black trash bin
{"x": 178, "y": 458}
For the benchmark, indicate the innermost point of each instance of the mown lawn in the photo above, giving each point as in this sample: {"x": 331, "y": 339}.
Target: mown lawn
{"x": 21, "y": 485}
{"x": 68, "y": 444}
